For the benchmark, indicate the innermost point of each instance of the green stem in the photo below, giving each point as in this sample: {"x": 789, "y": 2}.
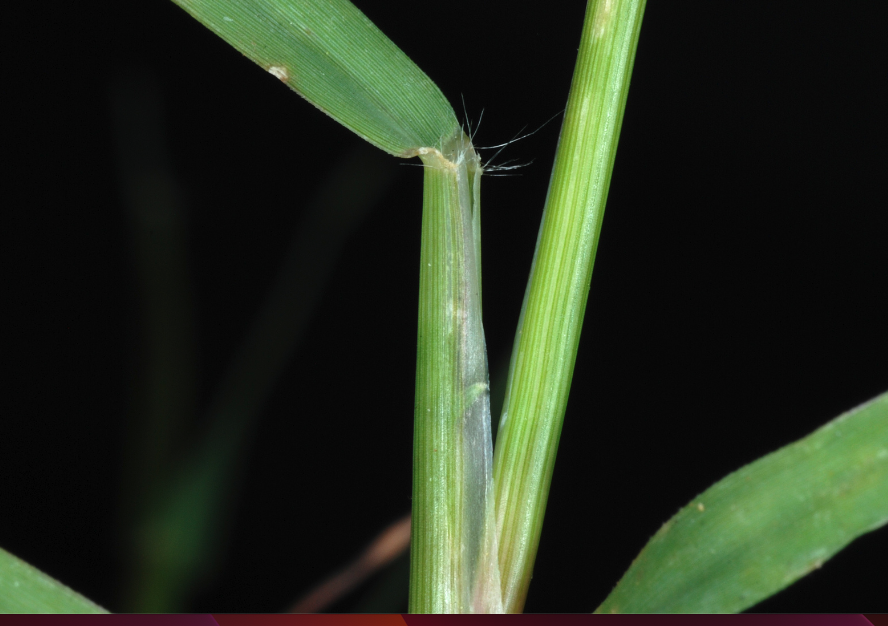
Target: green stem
{"x": 453, "y": 548}
{"x": 549, "y": 328}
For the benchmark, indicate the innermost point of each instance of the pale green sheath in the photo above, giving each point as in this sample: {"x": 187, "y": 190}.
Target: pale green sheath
{"x": 453, "y": 400}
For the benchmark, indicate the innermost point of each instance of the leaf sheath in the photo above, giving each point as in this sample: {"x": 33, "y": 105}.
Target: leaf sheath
{"x": 453, "y": 547}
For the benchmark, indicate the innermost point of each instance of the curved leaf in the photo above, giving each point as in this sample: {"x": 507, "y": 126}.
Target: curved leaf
{"x": 25, "y": 589}
{"x": 768, "y": 524}
{"x": 333, "y": 56}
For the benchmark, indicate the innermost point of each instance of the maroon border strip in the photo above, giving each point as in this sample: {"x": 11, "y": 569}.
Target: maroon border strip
{"x": 443, "y": 620}
{"x": 648, "y": 620}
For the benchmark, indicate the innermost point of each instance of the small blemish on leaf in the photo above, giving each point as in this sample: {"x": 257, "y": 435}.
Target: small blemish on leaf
{"x": 280, "y": 72}
{"x": 603, "y": 17}
{"x": 700, "y": 507}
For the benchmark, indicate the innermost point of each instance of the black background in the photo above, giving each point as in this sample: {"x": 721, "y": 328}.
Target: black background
{"x": 738, "y": 300}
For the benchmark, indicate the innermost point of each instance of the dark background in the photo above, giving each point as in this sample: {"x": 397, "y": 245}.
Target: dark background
{"x": 738, "y": 300}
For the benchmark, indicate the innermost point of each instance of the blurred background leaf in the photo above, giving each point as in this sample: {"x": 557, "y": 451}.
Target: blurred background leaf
{"x": 180, "y": 499}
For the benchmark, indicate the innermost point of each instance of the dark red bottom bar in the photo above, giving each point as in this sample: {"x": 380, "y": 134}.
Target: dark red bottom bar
{"x": 445, "y": 620}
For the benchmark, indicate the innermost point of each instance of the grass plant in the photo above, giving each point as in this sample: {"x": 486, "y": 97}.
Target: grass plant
{"x": 478, "y": 510}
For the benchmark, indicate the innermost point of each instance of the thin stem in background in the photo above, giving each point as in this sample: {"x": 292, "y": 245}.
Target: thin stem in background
{"x": 385, "y": 548}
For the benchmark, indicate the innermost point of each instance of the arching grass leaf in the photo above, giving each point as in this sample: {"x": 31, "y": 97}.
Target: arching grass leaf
{"x": 763, "y": 527}
{"x": 25, "y": 589}
{"x": 332, "y": 55}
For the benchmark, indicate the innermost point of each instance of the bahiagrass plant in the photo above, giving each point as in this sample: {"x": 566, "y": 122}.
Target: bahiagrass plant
{"x": 478, "y": 511}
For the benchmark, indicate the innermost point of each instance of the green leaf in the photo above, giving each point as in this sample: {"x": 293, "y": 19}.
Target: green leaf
{"x": 25, "y": 589}
{"x": 552, "y": 316}
{"x": 768, "y": 524}
{"x": 333, "y": 56}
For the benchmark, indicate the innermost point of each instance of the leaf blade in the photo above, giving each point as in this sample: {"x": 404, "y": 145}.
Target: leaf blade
{"x": 25, "y": 589}
{"x": 768, "y": 524}
{"x": 332, "y": 55}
